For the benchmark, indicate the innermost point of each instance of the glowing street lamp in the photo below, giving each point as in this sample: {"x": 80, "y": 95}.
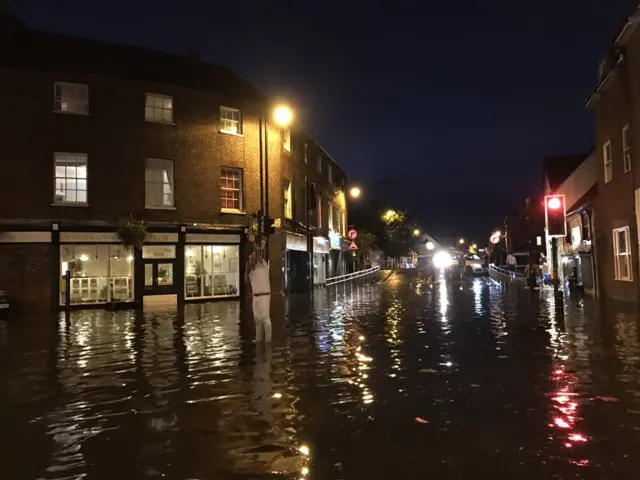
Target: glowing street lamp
{"x": 283, "y": 115}
{"x": 416, "y": 232}
{"x": 461, "y": 241}
{"x": 390, "y": 215}
{"x": 355, "y": 192}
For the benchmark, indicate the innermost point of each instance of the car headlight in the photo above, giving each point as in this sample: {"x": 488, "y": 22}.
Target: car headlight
{"x": 442, "y": 260}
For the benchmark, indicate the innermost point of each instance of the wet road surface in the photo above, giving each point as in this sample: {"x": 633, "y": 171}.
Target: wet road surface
{"x": 402, "y": 380}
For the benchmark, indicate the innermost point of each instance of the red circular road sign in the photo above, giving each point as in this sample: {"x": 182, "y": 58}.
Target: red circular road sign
{"x": 494, "y": 239}
{"x": 352, "y": 234}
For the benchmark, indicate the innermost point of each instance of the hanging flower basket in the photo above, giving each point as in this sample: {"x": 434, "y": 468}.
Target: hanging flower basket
{"x": 132, "y": 232}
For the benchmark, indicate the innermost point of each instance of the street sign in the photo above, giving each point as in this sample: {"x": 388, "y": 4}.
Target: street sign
{"x": 494, "y": 239}
{"x": 353, "y": 246}
{"x": 352, "y": 234}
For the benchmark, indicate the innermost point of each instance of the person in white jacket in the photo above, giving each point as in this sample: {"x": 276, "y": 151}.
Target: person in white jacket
{"x": 257, "y": 275}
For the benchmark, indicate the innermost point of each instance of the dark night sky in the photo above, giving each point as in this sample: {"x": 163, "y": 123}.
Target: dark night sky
{"x": 451, "y": 107}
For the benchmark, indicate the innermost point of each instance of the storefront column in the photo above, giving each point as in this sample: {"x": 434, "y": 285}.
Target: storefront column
{"x": 54, "y": 258}
{"x": 179, "y": 272}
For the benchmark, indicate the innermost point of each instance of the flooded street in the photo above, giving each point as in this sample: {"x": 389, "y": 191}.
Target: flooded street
{"x": 403, "y": 380}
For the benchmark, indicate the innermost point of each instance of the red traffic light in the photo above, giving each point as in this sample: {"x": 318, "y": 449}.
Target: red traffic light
{"x": 554, "y": 203}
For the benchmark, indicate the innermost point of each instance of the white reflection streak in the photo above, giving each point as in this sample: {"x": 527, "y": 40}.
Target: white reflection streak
{"x": 444, "y": 301}
{"x": 477, "y": 294}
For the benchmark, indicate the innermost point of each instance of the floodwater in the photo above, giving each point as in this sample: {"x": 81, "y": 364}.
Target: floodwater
{"x": 403, "y": 380}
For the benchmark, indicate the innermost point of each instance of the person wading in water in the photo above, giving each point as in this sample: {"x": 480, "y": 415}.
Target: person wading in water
{"x": 257, "y": 274}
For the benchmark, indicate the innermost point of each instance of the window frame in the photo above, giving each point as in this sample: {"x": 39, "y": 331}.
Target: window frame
{"x": 286, "y": 139}
{"x": 70, "y": 84}
{"x": 608, "y": 174}
{"x": 617, "y": 256}
{"x": 626, "y": 149}
{"x": 306, "y": 153}
{"x": 63, "y": 203}
{"x": 319, "y": 164}
{"x": 162, "y": 109}
{"x": 319, "y": 211}
{"x": 240, "y": 129}
{"x": 172, "y": 183}
{"x": 288, "y": 201}
{"x": 240, "y": 190}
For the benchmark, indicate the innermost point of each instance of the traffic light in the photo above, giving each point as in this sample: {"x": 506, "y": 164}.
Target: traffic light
{"x": 267, "y": 226}
{"x": 555, "y": 215}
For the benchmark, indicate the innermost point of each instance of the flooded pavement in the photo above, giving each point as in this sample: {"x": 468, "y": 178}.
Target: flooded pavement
{"x": 399, "y": 381}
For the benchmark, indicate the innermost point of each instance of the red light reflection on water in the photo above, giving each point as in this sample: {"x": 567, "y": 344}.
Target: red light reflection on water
{"x": 565, "y": 413}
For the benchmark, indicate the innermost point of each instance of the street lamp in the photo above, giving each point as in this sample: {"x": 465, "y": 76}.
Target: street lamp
{"x": 461, "y": 241}
{"x": 283, "y": 115}
{"x": 355, "y": 192}
{"x": 416, "y": 232}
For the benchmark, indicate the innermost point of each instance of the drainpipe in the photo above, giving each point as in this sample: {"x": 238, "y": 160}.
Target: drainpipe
{"x": 594, "y": 268}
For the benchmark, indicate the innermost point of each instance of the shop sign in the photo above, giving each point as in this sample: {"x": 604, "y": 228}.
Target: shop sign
{"x": 212, "y": 238}
{"x": 296, "y": 242}
{"x": 25, "y": 237}
{"x": 89, "y": 237}
{"x": 158, "y": 251}
{"x": 335, "y": 240}
{"x": 320, "y": 245}
{"x": 161, "y": 238}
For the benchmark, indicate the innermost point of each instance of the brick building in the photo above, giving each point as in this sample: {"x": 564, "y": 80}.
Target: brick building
{"x": 614, "y": 100}
{"x": 100, "y": 132}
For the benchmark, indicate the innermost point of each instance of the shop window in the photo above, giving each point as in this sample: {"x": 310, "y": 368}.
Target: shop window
{"x": 159, "y": 183}
{"x": 212, "y": 271}
{"x": 70, "y": 178}
{"x": 288, "y": 204}
{"x": 99, "y": 273}
{"x": 231, "y": 189}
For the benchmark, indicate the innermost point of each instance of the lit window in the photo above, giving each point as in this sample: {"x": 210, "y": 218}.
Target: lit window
{"x": 319, "y": 211}
{"x": 158, "y": 108}
{"x": 330, "y": 216}
{"x": 288, "y": 204}
{"x": 71, "y": 98}
{"x": 622, "y": 254}
{"x": 159, "y": 183}
{"x": 319, "y": 163}
{"x": 70, "y": 178}
{"x": 286, "y": 139}
{"x": 231, "y": 189}
{"x": 626, "y": 148}
{"x": 230, "y": 120}
{"x": 608, "y": 162}
{"x": 329, "y": 173}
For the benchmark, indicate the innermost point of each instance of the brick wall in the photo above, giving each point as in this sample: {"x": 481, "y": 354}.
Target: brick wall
{"x": 26, "y": 272}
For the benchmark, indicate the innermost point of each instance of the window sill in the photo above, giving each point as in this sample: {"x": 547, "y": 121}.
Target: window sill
{"x": 69, "y": 204}
{"x": 628, "y": 280}
{"x": 627, "y": 171}
{"x": 70, "y": 113}
{"x": 151, "y": 207}
{"x": 231, "y": 133}
{"x": 158, "y": 121}
{"x": 232, "y": 211}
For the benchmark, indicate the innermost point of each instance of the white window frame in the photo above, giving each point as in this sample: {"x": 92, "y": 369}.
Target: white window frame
{"x": 286, "y": 139}
{"x": 227, "y": 123}
{"x": 56, "y": 179}
{"x": 288, "y": 202}
{"x": 151, "y": 107}
{"x": 168, "y": 183}
{"x": 306, "y": 153}
{"x": 319, "y": 212}
{"x": 79, "y": 103}
{"x": 330, "y": 216}
{"x": 608, "y": 162}
{"x": 240, "y": 188}
{"x": 626, "y": 149}
{"x": 618, "y": 257}
{"x": 329, "y": 172}
{"x": 319, "y": 166}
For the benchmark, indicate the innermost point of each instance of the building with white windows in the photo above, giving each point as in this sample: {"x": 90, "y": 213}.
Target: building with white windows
{"x": 100, "y": 134}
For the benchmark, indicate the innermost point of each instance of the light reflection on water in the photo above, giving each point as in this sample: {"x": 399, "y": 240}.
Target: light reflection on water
{"x": 503, "y": 387}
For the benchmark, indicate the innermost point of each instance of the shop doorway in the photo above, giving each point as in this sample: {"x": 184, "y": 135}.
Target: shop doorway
{"x": 159, "y": 283}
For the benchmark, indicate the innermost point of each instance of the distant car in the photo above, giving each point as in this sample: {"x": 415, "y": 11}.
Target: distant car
{"x": 473, "y": 265}
{"x": 4, "y": 301}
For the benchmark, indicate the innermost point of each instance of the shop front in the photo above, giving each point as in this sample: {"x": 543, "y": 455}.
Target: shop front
{"x": 337, "y": 255}
{"x": 296, "y": 263}
{"x": 321, "y": 251}
{"x": 101, "y": 269}
{"x": 212, "y": 266}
